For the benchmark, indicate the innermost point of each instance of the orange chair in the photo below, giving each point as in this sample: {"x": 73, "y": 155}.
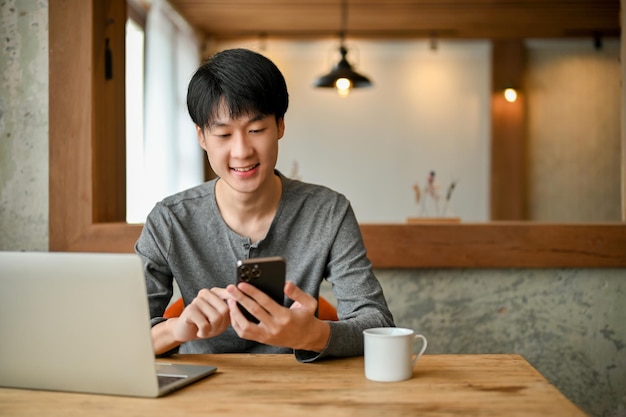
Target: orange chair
{"x": 175, "y": 309}
{"x": 326, "y": 310}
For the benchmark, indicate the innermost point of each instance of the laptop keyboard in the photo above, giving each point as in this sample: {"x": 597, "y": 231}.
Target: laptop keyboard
{"x": 168, "y": 379}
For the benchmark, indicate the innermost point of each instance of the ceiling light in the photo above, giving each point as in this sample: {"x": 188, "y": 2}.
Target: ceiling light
{"x": 342, "y": 76}
{"x": 510, "y": 94}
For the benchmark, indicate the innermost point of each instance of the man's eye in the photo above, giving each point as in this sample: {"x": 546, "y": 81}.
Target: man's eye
{"x": 257, "y": 130}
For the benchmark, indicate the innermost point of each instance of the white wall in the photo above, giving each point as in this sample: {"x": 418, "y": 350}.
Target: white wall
{"x": 428, "y": 110}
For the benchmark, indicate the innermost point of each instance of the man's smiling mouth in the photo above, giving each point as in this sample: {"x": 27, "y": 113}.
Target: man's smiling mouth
{"x": 245, "y": 169}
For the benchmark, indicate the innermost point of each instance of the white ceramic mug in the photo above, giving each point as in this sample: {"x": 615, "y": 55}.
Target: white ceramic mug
{"x": 390, "y": 353}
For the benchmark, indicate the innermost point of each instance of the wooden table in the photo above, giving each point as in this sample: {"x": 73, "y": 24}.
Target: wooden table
{"x": 277, "y": 385}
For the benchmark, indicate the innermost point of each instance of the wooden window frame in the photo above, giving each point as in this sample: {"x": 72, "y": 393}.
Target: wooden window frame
{"x": 87, "y": 179}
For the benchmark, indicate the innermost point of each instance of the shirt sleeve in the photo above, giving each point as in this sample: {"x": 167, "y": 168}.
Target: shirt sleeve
{"x": 360, "y": 300}
{"x": 152, "y": 247}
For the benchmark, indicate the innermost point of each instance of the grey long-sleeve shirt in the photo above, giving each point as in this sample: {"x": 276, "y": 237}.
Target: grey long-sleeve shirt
{"x": 315, "y": 230}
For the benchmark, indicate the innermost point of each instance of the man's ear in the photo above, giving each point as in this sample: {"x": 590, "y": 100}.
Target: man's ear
{"x": 281, "y": 127}
{"x": 200, "y": 133}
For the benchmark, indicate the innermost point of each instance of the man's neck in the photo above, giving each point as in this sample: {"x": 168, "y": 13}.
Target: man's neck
{"x": 249, "y": 214}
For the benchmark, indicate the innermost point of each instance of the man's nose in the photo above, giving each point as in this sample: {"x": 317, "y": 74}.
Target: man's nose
{"x": 241, "y": 145}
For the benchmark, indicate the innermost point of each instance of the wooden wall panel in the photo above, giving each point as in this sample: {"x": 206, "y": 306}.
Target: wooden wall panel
{"x": 508, "y": 133}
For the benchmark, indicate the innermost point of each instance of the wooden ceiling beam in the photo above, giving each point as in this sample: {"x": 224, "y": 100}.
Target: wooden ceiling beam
{"x": 403, "y": 18}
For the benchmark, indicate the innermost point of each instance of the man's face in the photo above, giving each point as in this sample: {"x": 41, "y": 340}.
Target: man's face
{"x": 243, "y": 152}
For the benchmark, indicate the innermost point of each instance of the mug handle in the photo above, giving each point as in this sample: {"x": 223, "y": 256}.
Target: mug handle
{"x": 424, "y": 345}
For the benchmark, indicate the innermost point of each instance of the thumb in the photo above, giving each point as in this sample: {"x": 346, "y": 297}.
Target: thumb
{"x": 300, "y": 298}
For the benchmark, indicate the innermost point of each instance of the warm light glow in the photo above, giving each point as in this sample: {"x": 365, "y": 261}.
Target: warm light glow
{"x": 510, "y": 95}
{"x": 343, "y": 86}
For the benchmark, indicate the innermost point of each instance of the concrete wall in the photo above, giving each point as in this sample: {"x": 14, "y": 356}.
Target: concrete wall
{"x": 24, "y": 125}
{"x": 569, "y": 323}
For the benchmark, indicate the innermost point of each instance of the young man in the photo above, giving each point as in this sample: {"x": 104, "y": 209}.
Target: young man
{"x": 238, "y": 100}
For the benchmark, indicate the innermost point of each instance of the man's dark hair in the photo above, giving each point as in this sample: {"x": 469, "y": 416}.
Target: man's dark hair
{"x": 246, "y": 81}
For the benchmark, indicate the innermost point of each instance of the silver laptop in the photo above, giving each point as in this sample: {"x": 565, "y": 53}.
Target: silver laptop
{"x": 80, "y": 322}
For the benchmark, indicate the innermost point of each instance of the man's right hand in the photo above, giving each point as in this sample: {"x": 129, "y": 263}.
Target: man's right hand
{"x": 208, "y": 315}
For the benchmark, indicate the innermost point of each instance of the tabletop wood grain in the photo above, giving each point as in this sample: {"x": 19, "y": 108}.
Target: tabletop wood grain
{"x": 277, "y": 385}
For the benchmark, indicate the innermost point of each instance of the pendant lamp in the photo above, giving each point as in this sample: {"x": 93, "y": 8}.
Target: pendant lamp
{"x": 342, "y": 76}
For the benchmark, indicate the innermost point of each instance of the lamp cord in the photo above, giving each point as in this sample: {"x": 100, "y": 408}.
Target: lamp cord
{"x": 344, "y": 20}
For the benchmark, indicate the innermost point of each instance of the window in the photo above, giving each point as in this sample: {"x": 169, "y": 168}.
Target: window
{"x": 162, "y": 152}
{"x": 135, "y": 37}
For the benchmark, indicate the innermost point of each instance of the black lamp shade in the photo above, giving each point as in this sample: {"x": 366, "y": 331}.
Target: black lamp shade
{"x": 343, "y": 69}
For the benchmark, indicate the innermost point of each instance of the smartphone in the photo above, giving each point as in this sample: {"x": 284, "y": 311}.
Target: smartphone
{"x": 267, "y": 274}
